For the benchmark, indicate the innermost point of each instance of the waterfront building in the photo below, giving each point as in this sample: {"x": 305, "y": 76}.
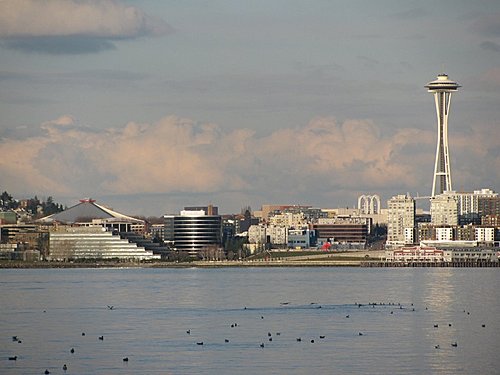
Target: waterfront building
{"x": 92, "y": 242}
{"x": 343, "y": 231}
{"x": 471, "y": 255}
{"x": 303, "y": 238}
{"x": 193, "y": 232}
{"x": 89, "y": 213}
{"x": 442, "y": 89}
{"x": 400, "y": 221}
{"x": 432, "y": 254}
{"x": 415, "y": 254}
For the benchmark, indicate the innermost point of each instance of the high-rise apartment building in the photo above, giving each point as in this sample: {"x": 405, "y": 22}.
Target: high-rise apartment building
{"x": 444, "y": 209}
{"x": 400, "y": 221}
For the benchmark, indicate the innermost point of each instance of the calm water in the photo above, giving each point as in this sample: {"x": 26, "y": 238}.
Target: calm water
{"x": 153, "y": 308}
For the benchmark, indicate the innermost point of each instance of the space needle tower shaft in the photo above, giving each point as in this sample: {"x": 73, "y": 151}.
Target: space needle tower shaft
{"x": 442, "y": 88}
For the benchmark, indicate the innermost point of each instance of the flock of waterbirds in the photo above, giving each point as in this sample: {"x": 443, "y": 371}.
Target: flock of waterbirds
{"x": 269, "y": 336}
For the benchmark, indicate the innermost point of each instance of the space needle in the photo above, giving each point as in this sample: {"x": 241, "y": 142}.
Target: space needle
{"x": 442, "y": 88}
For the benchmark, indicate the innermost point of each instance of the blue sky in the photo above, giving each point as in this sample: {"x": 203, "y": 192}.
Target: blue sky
{"x": 152, "y": 105}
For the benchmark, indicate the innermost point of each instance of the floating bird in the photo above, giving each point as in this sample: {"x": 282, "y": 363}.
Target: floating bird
{"x": 322, "y": 337}
{"x": 483, "y": 325}
{"x": 188, "y": 331}
{"x": 468, "y": 313}
{"x": 312, "y": 341}
{"x": 19, "y": 342}
{"x": 449, "y": 324}
{"x": 270, "y": 339}
{"x": 392, "y": 312}
{"x": 262, "y": 317}
{"x": 14, "y": 358}
{"x": 299, "y": 339}
{"x": 347, "y": 316}
{"x": 65, "y": 367}
{"x": 199, "y": 343}
{"x": 269, "y": 334}
{"x": 278, "y": 333}
{"x": 226, "y": 340}
{"x": 125, "y": 359}
{"x": 72, "y": 350}
{"x": 101, "y": 338}
{"x": 454, "y": 344}
{"x": 83, "y": 333}
{"x": 436, "y": 346}
{"x": 14, "y": 338}
{"x": 284, "y": 303}
{"x": 47, "y": 372}
{"x": 110, "y": 307}
{"x": 435, "y": 326}
{"x": 360, "y": 334}
{"x": 261, "y": 344}
{"x": 236, "y": 324}
{"x": 232, "y": 325}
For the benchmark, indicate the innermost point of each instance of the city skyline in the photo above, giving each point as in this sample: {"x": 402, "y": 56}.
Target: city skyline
{"x": 150, "y": 106}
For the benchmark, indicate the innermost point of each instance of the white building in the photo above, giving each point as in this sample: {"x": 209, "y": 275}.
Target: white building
{"x": 444, "y": 209}
{"x": 414, "y": 254}
{"x": 278, "y": 234}
{"x": 288, "y": 219}
{"x": 400, "y": 220}
{"x": 93, "y": 243}
{"x": 444, "y": 234}
{"x": 485, "y": 234}
{"x": 257, "y": 234}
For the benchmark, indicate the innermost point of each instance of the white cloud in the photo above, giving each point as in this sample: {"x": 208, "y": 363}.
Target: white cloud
{"x": 176, "y": 155}
{"x": 71, "y": 26}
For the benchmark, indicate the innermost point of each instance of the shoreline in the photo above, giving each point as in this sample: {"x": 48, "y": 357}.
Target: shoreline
{"x": 362, "y": 263}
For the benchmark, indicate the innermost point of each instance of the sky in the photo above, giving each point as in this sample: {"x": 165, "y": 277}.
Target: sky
{"x": 149, "y": 106}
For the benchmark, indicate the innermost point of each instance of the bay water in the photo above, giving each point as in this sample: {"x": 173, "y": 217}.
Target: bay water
{"x": 317, "y": 320}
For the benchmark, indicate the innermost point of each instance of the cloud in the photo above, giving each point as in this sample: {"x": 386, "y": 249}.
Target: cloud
{"x": 490, "y": 46}
{"x": 182, "y": 157}
{"x": 71, "y": 26}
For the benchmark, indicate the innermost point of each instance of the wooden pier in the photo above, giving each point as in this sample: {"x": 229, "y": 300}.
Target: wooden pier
{"x": 461, "y": 264}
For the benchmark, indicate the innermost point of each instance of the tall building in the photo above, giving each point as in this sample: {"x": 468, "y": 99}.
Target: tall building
{"x": 442, "y": 88}
{"x": 444, "y": 209}
{"x": 400, "y": 221}
{"x": 193, "y": 231}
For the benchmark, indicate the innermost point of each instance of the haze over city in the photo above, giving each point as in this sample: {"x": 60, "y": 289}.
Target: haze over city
{"x": 149, "y": 106}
